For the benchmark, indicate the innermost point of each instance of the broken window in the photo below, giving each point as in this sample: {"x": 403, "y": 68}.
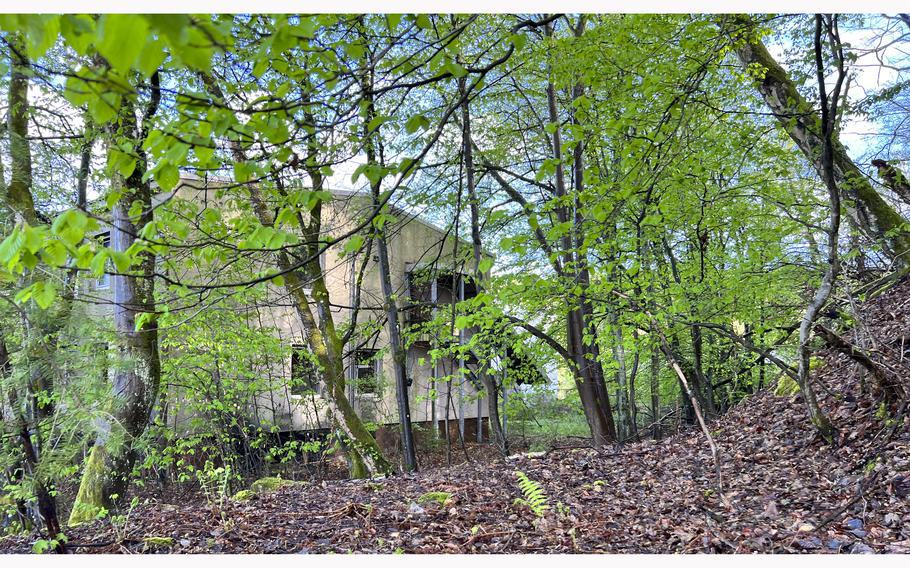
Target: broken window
{"x": 103, "y": 282}
{"x": 304, "y": 371}
{"x": 367, "y": 371}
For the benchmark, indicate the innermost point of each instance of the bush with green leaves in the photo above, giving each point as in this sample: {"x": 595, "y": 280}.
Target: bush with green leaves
{"x": 226, "y": 385}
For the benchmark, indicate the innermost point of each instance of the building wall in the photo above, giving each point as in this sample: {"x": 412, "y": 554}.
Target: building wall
{"x": 411, "y": 242}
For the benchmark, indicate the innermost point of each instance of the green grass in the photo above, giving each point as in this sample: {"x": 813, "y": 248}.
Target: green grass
{"x": 552, "y": 427}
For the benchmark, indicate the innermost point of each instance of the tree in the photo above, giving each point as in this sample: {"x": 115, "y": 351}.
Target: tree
{"x": 137, "y": 376}
{"x": 866, "y": 210}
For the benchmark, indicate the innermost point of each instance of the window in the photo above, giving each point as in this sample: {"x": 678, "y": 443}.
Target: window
{"x": 103, "y": 282}
{"x": 367, "y": 377}
{"x": 304, "y": 372}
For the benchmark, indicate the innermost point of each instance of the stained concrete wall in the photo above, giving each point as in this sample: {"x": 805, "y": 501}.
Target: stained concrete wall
{"x": 412, "y": 242}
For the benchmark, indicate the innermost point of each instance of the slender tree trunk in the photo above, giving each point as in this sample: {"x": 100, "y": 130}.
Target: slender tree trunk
{"x": 489, "y": 382}
{"x": 633, "y": 406}
{"x": 655, "y": 395}
{"x": 623, "y": 406}
{"x": 373, "y": 147}
{"x": 829, "y": 114}
{"x": 702, "y": 382}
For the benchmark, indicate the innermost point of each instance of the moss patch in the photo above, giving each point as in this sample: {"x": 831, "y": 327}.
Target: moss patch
{"x": 243, "y": 495}
{"x": 440, "y": 497}
{"x": 90, "y": 499}
{"x": 786, "y": 386}
{"x": 158, "y": 541}
{"x": 267, "y": 484}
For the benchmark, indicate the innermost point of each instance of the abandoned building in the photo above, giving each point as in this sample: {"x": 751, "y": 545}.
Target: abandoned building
{"x": 444, "y": 396}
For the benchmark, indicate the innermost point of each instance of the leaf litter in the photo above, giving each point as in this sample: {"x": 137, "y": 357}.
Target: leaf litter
{"x": 785, "y": 490}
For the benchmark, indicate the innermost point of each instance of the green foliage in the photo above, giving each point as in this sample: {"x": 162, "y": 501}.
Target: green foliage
{"x": 215, "y": 482}
{"x": 534, "y": 497}
{"x": 44, "y": 545}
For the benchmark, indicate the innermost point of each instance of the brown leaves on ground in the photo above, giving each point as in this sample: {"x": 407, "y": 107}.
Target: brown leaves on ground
{"x": 785, "y": 491}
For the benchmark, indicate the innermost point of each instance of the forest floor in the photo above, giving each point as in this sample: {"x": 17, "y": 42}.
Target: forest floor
{"x": 784, "y": 490}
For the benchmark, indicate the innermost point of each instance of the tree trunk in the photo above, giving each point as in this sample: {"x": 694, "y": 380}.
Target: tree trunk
{"x": 490, "y": 384}
{"x": 366, "y": 458}
{"x": 623, "y": 406}
{"x": 702, "y": 382}
{"x": 633, "y": 405}
{"x": 655, "y": 395}
{"x": 40, "y": 327}
{"x": 893, "y": 179}
{"x": 137, "y": 379}
{"x": 829, "y": 176}
{"x": 866, "y": 210}
{"x": 393, "y": 325}
{"x": 589, "y": 377}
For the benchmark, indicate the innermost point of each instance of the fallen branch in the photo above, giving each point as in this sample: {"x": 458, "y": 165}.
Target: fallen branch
{"x": 889, "y": 387}
{"x": 715, "y": 453}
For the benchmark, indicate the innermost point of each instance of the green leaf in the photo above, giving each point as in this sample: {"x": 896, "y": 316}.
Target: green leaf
{"x": 54, "y": 253}
{"x": 168, "y": 176}
{"x": 121, "y": 162}
{"x": 143, "y": 318}
{"x": 11, "y": 245}
{"x": 45, "y": 294}
{"x": 42, "y": 34}
{"x": 103, "y": 107}
{"x": 204, "y": 154}
{"x": 241, "y": 172}
{"x": 196, "y": 52}
{"x": 377, "y": 122}
{"x": 152, "y": 57}
{"x": 415, "y": 123}
{"x": 98, "y": 262}
{"x": 122, "y": 39}
{"x": 485, "y": 265}
{"x": 518, "y": 40}
{"x": 121, "y": 260}
{"x": 353, "y": 244}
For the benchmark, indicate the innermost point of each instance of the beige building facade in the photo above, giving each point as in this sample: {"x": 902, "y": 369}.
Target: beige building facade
{"x": 426, "y": 278}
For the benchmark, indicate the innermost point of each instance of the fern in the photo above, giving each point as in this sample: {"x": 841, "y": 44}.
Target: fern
{"x": 534, "y": 496}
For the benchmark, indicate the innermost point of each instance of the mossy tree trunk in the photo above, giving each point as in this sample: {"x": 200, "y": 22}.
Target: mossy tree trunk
{"x": 137, "y": 376}
{"x": 300, "y": 270}
{"x": 866, "y": 210}
{"x": 40, "y": 327}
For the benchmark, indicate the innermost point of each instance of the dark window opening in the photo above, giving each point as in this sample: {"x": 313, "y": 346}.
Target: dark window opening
{"x": 103, "y": 282}
{"x": 448, "y": 288}
{"x": 367, "y": 375}
{"x": 304, "y": 371}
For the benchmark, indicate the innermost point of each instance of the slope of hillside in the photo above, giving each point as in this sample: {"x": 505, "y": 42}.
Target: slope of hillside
{"x": 784, "y": 489}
